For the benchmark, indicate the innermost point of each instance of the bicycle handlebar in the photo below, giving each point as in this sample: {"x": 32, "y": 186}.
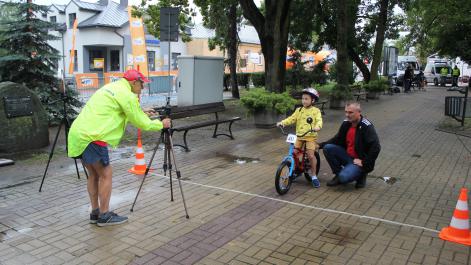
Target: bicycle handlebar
{"x": 285, "y": 133}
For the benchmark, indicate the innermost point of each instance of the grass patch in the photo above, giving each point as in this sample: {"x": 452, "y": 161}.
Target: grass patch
{"x": 451, "y": 125}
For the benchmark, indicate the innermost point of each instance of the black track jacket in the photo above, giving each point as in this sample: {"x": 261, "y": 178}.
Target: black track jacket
{"x": 366, "y": 142}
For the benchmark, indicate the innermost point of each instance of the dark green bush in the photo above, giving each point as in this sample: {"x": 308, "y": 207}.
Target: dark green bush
{"x": 243, "y": 79}
{"x": 260, "y": 99}
{"x": 258, "y": 79}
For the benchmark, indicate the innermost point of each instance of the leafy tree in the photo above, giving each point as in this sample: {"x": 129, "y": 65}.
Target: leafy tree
{"x": 272, "y": 28}
{"x": 28, "y": 58}
{"x": 440, "y": 27}
{"x": 367, "y": 19}
{"x": 222, "y": 15}
{"x": 151, "y": 16}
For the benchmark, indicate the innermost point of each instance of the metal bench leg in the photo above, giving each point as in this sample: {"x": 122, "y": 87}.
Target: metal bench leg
{"x": 184, "y": 141}
{"x": 230, "y": 129}
{"x": 215, "y": 131}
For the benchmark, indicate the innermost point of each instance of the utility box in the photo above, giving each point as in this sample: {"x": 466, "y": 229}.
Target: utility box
{"x": 200, "y": 80}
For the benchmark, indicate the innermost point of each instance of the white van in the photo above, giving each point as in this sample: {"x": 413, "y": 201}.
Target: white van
{"x": 432, "y": 71}
{"x": 402, "y": 63}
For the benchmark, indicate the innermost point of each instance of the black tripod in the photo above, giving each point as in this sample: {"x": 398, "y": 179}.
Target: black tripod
{"x": 166, "y": 139}
{"x": 65, "y": 122}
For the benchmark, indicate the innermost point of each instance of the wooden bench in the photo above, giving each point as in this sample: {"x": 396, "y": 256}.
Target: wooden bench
{"x": 196, "y": 110}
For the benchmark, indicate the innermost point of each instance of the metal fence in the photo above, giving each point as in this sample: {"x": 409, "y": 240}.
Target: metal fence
{"x": 454, "y": 106}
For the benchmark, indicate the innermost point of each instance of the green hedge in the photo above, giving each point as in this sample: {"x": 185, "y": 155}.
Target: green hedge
{"x": 258, "y": 79}
{"x": 243, "y": 79}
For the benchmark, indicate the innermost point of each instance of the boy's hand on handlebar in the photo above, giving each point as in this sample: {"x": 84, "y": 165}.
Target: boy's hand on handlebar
{"x": 167, "y": 123}
{"x": 316, "y": 129}
{"x": 279, "y": 124}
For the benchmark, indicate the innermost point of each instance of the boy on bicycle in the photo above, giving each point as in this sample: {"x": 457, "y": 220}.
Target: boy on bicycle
{"x": 300, "y": 116}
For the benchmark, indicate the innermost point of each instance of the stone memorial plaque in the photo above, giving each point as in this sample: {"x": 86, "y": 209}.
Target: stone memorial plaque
{"x": 18, "y": 106}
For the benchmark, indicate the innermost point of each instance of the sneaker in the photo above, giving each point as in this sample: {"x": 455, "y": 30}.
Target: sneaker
{"x": 315, "y": 182}
{"x": 333, "y": 182}
{"x": 110, "y": 218}
{"x": 94, "y": 216}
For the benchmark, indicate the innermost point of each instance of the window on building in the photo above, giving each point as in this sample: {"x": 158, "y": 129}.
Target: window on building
{"x": 243, "y": 62}
{"x": 72, "y": 17}
{"x": 95, "y": 54}
{"x": 151, "y": 60}
{"x": 75, "y": 60}
{"x": 174, "y": 60}
{"x": 53, "y": 19}
{"x": 114, "y": 60}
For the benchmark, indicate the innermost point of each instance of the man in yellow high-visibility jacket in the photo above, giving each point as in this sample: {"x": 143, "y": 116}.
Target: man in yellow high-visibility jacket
{"x": 102, "y": 122}
{"x": 443, "y": 74}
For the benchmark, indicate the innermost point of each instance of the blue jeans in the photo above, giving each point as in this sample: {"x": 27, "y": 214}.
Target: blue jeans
{"x": 341, "y": 163}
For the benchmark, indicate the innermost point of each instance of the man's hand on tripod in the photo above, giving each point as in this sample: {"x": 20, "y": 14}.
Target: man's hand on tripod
{"x": 150, "y": 112}
{"x": 167, "y": 123}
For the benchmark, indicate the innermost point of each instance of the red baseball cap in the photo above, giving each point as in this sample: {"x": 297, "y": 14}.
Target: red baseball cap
{"x": 133, "y": 74}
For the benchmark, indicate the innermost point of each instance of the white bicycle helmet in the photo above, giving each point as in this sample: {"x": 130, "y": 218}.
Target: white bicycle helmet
{"x": 311, "y": 91}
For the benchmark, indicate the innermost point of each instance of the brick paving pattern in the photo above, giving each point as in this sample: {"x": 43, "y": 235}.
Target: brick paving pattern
{"x": 428, "y": 168}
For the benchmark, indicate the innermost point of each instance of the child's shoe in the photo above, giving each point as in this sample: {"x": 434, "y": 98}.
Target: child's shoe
{"x": 315, "y": 182}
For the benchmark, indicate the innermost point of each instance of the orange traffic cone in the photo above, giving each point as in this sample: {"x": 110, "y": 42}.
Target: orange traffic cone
{"x": 458, "y": 231}
{"x": 139, "y": 167}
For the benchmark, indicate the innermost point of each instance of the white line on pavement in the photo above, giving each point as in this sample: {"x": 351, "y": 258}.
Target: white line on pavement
{"x": 305, "y": 205}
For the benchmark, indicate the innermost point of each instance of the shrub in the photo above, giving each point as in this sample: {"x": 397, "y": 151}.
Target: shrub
{"x": 259, "y": 100}
{"x": 378, "y": 85}
{"x": 243, "y": 79}
{"x": 258, "y": 79}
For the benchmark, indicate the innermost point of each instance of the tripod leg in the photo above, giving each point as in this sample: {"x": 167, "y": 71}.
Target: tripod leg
{"x": 147, "y": 171}
{"x": 66, "y": 130}
{"x": 76, "y": 168}
{"x": 84, "y": 169}
{"x": 51, "y": 153}
{"x": 178, "y": 175}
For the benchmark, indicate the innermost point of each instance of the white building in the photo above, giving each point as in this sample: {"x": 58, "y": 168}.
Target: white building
{"x": 103, "y": 32}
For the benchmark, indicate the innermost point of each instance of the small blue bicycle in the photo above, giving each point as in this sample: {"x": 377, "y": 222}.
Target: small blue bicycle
{"x": 294, "y": 164}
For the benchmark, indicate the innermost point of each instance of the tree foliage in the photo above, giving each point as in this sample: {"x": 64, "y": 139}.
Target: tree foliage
{"x": 224, "y": 17}
{"x": 440, "y": 27}
{"x": 151, "y": 16}
{"x": 28, "y": 58}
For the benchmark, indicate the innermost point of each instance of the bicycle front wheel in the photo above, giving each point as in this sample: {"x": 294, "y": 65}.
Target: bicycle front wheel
{"x": 282, "y": 178}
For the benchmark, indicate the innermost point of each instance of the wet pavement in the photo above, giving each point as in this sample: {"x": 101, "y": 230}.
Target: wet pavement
{"x": 236, "y": 216}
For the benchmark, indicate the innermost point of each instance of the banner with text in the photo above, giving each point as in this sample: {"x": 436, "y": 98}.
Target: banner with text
{"x": 138, "y": 43}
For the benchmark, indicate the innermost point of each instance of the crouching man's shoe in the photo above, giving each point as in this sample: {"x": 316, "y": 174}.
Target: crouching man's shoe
{"x": 361, "y": 182}
{"x": 333, "y": 182}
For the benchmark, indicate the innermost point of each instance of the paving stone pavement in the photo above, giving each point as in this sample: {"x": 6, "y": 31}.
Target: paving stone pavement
{"x": 236, "y": 216}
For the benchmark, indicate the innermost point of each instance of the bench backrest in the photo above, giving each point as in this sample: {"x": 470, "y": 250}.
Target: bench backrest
{"x": 195, "y": 110}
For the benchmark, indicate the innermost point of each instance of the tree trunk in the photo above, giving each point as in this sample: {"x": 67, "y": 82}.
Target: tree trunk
{"x": 273, "y": 34}
{"x": 380, "y": 31}
{"x": 342, "y": 48}
{"x": 233, "y": 50}
{"x": 359, "y": 63}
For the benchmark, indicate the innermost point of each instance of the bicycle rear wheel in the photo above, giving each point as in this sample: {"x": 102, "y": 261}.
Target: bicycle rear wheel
{"x": 282, "y": 178}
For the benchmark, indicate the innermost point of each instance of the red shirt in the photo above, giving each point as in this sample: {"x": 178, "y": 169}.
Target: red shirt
{"x": 351, "y": 142}
{"x": 100, "y": 143}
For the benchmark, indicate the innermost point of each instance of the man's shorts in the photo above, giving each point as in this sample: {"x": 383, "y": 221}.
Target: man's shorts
{"x": 94, "y": 153}
{"x": 310, "y": 142}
